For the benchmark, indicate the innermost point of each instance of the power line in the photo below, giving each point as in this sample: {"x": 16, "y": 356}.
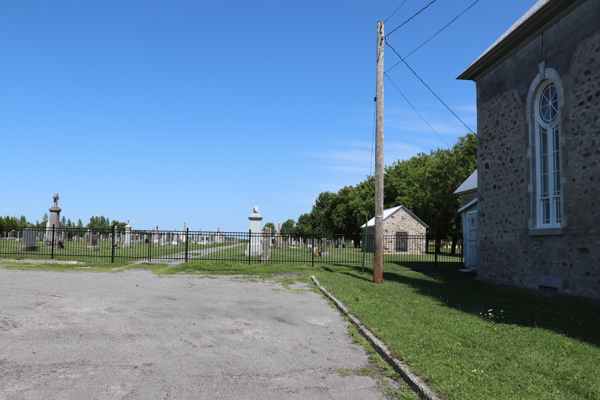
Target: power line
{"x": 405, "y": 22}
{"x": 427, "y": 86}
{"x": 395, "y": 11}
{"x": 413, "y": 107}
{"x": 437, "y": 33}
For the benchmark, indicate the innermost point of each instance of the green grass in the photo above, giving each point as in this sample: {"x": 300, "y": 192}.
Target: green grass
{"x": 471, "y": 340}
{"x": 347, "y": 257}
{"x": 83, "y": 267}
{"x": 77, "y": 251}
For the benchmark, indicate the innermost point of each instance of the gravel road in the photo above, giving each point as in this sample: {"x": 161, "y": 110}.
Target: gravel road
{"x": 136, "y": 335}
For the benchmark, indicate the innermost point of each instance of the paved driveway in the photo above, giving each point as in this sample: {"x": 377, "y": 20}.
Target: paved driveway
{"x": 135, "y": 335}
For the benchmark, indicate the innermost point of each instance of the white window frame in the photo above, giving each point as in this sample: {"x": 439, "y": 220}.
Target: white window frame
{"x": 558, "y": 220}
{"x": 551, "y": 197}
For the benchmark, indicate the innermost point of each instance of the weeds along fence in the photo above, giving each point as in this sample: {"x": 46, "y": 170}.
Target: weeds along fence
{"x": 112, "y": 245}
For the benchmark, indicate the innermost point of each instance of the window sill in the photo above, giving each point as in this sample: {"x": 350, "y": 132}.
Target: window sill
{"x": 555, "y": 231}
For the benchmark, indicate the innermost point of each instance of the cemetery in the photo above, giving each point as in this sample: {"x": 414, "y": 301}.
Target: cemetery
{"x": 255, "y": 246}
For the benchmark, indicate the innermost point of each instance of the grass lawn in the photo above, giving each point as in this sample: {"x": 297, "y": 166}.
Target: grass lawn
{"x": 78, "y": 251}
{"x": 348, "y": 257}
{"x": 471, "y": 340}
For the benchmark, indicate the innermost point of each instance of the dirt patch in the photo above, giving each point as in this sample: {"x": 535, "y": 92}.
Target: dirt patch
{"x": 41, "y": 262}
{"x": 286, "y": 275}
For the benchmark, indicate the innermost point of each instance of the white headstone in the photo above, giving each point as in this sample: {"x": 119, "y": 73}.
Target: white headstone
{"x": 255, "y": 245}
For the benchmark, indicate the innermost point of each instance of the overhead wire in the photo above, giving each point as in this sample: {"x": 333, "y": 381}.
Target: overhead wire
{"x": 434, "y": 35}
{"x": 413, "y": 107}
{"x": 395, "y": 11}
{"x": 414, "y": 15}
{"x": 427, "y": 86}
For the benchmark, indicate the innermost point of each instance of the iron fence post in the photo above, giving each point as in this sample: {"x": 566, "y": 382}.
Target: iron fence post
{"x": 436, "y": 253}
{"x": 249, "y": 246}
{"x": 186, "y": 244}
{"x": 312, "y": 248}
{"x": 364, "y": 246}
{"x": 150, "y": 248}
{"x": 52, "y": 251}
{"x": 112, "y": 256}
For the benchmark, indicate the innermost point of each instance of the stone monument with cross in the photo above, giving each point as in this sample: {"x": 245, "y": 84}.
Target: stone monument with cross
{"x": 255, "y": 245}
{"x": 54, "y": 220}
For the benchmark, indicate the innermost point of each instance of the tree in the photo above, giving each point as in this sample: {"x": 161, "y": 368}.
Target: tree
{"x": 79, "y": 223}
{"x": 424, "y": 184}
{"x": 270, "y": 225}
{"x": 119, "y": 226}
{"x": 45, "y": 219}
{"x": 98, "y": 223}
{"x": 305, "y": 225}
{"x": 288, "y": 226}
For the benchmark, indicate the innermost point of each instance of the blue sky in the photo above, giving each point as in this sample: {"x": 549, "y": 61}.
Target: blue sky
{"x": 190, "y": 111}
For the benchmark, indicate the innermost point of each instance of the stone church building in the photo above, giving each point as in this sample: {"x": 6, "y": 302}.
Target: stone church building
{"x": 538, "y": 184}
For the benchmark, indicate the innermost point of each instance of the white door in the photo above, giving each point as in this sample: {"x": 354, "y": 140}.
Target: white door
{"x": 473, "y": 228}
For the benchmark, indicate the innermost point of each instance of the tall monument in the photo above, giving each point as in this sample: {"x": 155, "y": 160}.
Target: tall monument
{"x": 54, "y": 220}
{"x": 255, "y": 246}
{"x": 127, "y": 244}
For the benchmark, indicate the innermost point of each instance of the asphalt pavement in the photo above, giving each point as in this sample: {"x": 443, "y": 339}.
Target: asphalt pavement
{"x": 136, "y": 335}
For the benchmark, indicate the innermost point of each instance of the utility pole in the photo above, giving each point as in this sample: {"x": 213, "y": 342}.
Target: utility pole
{"x": 378, "y": 261}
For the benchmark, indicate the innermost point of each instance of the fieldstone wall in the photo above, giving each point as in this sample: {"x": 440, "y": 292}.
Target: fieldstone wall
{"x": 569, "y": 262}
{"x": 400, "y": 221}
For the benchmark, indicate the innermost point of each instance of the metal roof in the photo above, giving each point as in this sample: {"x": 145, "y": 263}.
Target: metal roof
{"x": 391, "y": 211}
{"x": 470, "y": 185}
{"x": 538, "y": 17}
{"x": 469, "y": 204}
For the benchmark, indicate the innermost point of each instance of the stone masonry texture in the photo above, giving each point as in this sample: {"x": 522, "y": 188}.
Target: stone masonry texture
{"x": 401, "y": 221}
{"x": 508, "y": 253}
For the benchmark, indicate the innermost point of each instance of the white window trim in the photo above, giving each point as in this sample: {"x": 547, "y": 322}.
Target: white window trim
{"x": 535, "y": 225}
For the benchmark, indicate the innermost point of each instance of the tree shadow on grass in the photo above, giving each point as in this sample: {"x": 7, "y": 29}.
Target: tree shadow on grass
{"x": 468, "y": 295}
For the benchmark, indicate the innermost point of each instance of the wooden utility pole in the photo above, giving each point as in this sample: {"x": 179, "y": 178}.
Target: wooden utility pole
{"x": 378, "y": 261}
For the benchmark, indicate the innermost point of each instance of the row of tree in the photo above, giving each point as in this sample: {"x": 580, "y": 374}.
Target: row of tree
{"x": 101, "y": 222}
{"x": 424, "y": 184}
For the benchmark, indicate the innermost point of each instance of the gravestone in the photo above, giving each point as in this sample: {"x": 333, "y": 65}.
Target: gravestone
{"x": 265, "y": 256}
{"x": 29, "y": 240}
{"x": 127, "y": 244}
{"x": 255, "y": 245}
{"x": 54, "y": 220}
{"x": 155, "y": 236}
{"x": 92, "y": 242}
{"x": 278, "y": 242}
{"x": 324, "y": 249}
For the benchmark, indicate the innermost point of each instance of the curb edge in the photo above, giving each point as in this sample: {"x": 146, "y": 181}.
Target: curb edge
{"x": 415, "y": 382}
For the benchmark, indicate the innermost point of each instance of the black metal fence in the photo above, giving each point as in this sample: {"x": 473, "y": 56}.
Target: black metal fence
{"x": 114, "y": 244}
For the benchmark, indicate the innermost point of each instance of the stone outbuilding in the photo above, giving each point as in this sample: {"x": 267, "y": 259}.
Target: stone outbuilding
{"x": 403, "y": 232}
{"x": 538, "y": 147}
{"x": 469, "y": 220}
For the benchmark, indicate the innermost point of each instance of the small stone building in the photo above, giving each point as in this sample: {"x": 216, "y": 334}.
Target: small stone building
{"x": 403, "y": 232}
{"x": 538, "y": 147}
